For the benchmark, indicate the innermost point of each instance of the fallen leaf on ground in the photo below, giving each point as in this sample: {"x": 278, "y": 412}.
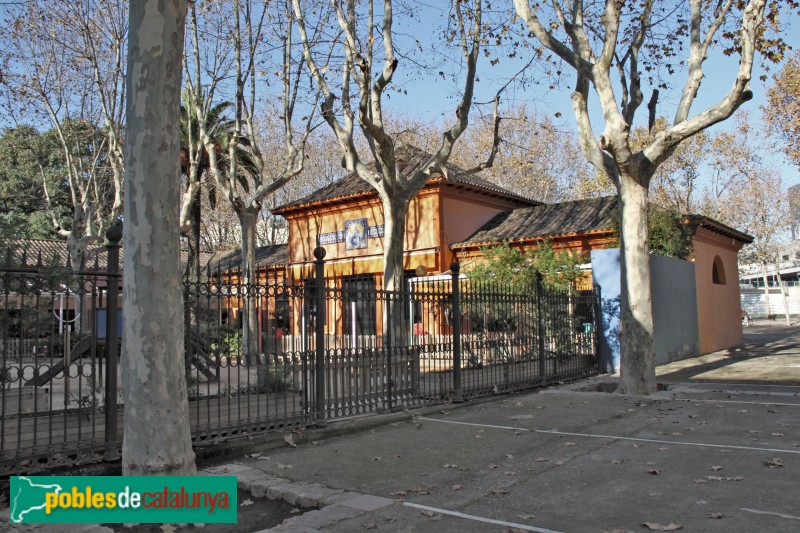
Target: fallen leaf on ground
{"x": 449, "y": 466}
{"x": 715, "y": 468}
{"x": 399, "y": 493}
{"x": 429, "y": 514}
{"x": 510, "y": 473}
{"x": 715, "y": 516}
{"x": 501, "y": 490}
{"x": 777, "y": 434}
{"x": 370, "y": 525}
{"x": 616, "y": 461}
{"x": 376, "y": 458}
{"x": 283, "y": 466}
{"x": 654, "y": 472}
{"x": 168, "y": 528}
{"x": 525, "y": 516}
{"x": 569, "y": 444}
{"x": 509, "y": 456}
{"x": 296, "y": 510}
{"x": 774, "y": 463}
{"x": 658, "y": 527}
{"x": 492, "y": 466}
{"x": 540, "y": 460}
{"x": 457, "y": 487}
{"x": 246, "y": 502}
{"x": 289, "y": 439}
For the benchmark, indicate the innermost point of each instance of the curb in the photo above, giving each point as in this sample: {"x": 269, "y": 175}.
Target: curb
{"x": 329, "y": 505}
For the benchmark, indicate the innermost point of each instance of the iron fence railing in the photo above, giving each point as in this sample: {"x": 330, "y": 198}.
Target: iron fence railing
{"x": 276, "y": 354}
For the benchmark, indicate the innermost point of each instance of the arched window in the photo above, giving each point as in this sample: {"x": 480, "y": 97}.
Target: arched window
{"x": 718, "y": 272}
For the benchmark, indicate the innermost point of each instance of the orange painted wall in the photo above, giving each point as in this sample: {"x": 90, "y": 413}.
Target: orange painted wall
{"x": 718, "y": 306}
{"x": 422, "y": 228}
{"x": 463, "y": 213}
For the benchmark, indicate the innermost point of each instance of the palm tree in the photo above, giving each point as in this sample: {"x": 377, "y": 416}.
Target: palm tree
{"x": 195, "y": 165}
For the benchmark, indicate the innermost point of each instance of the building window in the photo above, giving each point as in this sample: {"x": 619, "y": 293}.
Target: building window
{"x": 785, "y": 257}
{"x": 718, "y": 272}
{"x": 360, "y": 304}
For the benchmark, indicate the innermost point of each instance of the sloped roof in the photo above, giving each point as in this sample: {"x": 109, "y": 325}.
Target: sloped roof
{"x": 540, "y": 221}
{"x": 271, "y": 255}
{"x": 33, "y": 253}
{"x": 409, "y": 158}
{"x": 718, "y": 227}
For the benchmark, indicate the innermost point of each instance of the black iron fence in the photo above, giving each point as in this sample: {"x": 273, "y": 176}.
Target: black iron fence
{"x": 276, "y": 354}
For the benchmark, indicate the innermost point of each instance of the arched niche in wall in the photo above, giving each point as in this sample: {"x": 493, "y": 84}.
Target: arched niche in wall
{"x": 718, "y": 272}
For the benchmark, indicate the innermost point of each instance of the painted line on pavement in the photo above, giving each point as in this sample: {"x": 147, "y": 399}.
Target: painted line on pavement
{"x": 614, "y": 437}
{"x": 737, "y": 384}
{"x": 737, "y": 401}
{"x": 756, "y": 511}
{"x": 472, "y": 424}
{"x": 658, "y": 441}
{"x": 524, "y": 527}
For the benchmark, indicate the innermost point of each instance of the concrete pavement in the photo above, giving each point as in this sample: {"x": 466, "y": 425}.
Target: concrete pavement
{"x": 718, "y": 450}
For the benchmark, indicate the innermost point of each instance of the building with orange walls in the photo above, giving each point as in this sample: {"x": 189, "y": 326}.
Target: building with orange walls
{"x": 452, "y": 219}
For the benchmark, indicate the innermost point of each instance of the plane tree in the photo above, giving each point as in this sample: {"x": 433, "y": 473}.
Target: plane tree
{"x": 618, "y": 50}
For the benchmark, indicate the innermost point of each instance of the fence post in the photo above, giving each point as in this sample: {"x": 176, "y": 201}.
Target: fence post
{"x": 598, "y": 322}
{"x": 540, "y": 327}
{"x": 319, "y": 331}
{"x": 114, "y": 235}
{"x": 458, "y": 392}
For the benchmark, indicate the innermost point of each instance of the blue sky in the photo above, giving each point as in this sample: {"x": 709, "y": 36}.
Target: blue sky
{"x": 436, "y": 98}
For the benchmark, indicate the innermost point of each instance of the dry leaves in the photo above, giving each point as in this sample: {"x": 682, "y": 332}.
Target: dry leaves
{"x": 284, "y": 467}
{"x": 715, "y": 468}
{"x": 168, "y": 528}
{"x": 658, "y": 527}
{"x": 570, "y": 444}
{"x": 289, "y": 439}
{"x": 715, "y": 516}
{"x": 370, "y": 525}
{"x": 774, "y": 463}
{"x": 429, "y": 514}
{"x": 450, "y": 466}
{"x": 501, "y": 490}
{"x": 492, "y": 466}
{"x": 246, "y": 502}
{"x": 525, "y": 516}
{"x": 457, "y": 487}
{"x": 654, "y": 472}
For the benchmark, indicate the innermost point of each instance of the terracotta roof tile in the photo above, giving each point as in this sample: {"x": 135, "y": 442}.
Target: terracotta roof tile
{"x": 542, "y": 221}
{"x": 271, "y": 255}
{"x": 409, "y": 157}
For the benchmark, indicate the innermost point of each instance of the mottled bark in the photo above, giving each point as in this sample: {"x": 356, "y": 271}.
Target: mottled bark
{"x": 157, "y": 437}
{"x": 247, "y": 222}
{"x": 637, "y": 372}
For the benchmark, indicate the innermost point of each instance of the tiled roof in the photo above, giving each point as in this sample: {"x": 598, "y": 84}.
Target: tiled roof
{"x": 409, "y": 158}
{"x": 47, "y": 253}
{"x": 718, "y": 227}
{"x": 54, "y": 253}
{"x": 271, "y": 255}
{"x": 542, "y": 221}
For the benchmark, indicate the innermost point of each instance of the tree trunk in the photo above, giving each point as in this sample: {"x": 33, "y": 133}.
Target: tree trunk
{"x": 193, "y": 240}
{"x": 394, "y": 219}
{"x": 157, "y": 437}
{"x": 766, "y": 289}
{"x": 247, "y": 222}
{"x": 637, "y": 345}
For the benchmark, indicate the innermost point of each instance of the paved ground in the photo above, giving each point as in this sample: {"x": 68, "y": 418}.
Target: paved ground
{"x": 717, "y": 451}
